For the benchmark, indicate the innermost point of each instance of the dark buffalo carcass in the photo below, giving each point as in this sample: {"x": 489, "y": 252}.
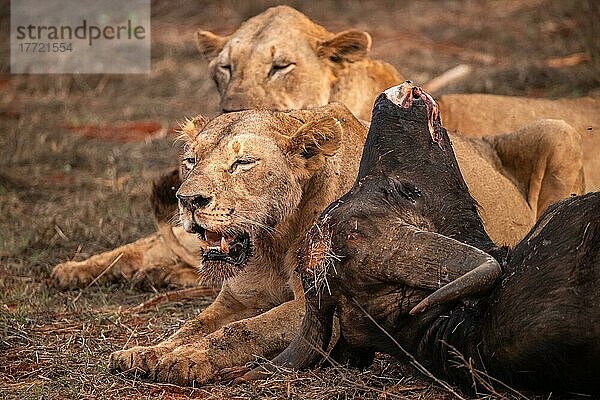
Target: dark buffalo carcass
{"x": 404, "y": 261}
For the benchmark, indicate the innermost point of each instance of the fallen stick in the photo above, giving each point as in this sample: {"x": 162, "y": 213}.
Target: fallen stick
{"x": 452, "y": 75}
{"x": 175, "y": 295}
{"x": 568, "y": 61}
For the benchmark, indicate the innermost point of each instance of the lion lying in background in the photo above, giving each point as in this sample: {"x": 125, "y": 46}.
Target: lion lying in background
{"x": 254, "y": 182}
{"x": 282, "y": 60}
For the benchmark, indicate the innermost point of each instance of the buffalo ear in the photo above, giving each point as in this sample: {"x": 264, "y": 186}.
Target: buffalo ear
{"x": 313, "y": 142}
{"x": 192, "y": 126}
{"x": 347, "y": 46}
{"x": 210, "y": 45}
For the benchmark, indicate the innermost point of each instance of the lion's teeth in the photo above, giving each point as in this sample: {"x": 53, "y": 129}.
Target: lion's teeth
{"x": 224, "y": 245}
{"x": 217, "y": 248}
{"x": 203, "y": 244}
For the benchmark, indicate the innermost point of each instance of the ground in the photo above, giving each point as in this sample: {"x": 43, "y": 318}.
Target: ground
{"x": 78, "y": 153}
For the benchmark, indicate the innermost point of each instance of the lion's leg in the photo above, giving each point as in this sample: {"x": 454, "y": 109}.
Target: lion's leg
{"x": 225, "y": 309}
{"x": 545, "y": 158}
{"x": 120, "y": 263}
{"x": 146, "y": 260}
{"x": 174, "y": 276}
{"x": 237, "y": 343}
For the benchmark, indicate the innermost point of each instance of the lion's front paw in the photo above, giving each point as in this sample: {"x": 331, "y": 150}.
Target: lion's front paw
{"x": 72, "y": 275}
{"x": 184, "y": 366}
{"x": 137, "y": 359}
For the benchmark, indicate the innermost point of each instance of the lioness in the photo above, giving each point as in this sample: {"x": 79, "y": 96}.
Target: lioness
{"x": 254, "y": 182}
{"x": 280, "y": 60}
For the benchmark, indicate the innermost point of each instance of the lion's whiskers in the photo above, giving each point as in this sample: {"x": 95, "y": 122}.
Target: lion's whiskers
{"x": 174, "y": 220}
{"x": 253, "y": 223}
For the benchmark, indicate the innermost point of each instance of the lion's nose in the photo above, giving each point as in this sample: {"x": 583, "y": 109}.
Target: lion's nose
{"x": 233, "y": 104}
{"x": 194, "y": 201}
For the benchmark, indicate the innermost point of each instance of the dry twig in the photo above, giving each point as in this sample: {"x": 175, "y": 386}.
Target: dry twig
{"x": 116, "y": 260}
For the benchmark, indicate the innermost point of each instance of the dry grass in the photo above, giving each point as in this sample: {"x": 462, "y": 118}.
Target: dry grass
{"x": 66, "y": 196}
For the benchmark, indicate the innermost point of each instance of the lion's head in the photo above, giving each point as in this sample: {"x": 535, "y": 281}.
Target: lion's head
{"x": 244, "y": 173}
{"x": 281, "y": 60}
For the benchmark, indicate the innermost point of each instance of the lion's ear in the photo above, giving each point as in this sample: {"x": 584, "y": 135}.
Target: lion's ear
{"x": 210, "y": 45}
{"x": 313, "y": 142}
{"x": 348, "y": 46}
{"x": 192, "y": 126}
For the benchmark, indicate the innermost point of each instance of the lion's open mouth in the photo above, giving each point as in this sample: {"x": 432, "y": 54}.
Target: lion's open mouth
{"x": 231, "y": 249}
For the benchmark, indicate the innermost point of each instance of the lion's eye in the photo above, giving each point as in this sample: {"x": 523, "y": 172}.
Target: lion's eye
{"x": 226, "y": 68}
{"x": 242, "y": 164}
{"x": 281, "y": 67}
{"x": 189, "y": 162}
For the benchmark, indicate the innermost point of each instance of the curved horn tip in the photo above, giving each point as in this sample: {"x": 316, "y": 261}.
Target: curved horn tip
{"x": 422, "y": 306}
{"x": 472, "y": 283}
